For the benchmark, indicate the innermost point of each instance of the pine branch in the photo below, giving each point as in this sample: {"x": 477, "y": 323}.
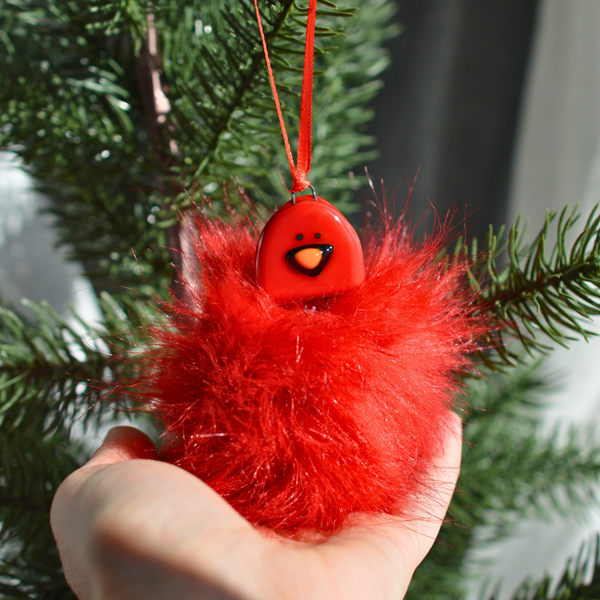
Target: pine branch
{"x": 575, "y": 582}
{"x": 517, "y": 394}
{"x": 508, "y": 472}
{"x": 51, "y": 376}
{"x": 218, "y": 60}
{"x": 52, "y": 373}
{"x": 116, "y": 17}
{"x": 31, "y": 469}
{"x": 72, "y": 106}
{"x": 512, "y": 472}
{"x": 222, "y": 104}
{"x": 520, "y": 475}
{"x": 539, "y": 296}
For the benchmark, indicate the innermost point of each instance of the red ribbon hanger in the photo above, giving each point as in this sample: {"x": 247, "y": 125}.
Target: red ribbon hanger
{"x": 302, "y": 167}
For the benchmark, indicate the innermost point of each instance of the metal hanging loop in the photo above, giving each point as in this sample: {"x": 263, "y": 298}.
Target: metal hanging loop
{"x": 314, "y": 193}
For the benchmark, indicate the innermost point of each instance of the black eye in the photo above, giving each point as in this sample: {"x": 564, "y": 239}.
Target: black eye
{"x": 317, "y": 235}
{"x": 299, "y": 237}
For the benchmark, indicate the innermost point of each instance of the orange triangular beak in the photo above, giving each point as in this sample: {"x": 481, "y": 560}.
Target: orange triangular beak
{"x": 310, "y": 260}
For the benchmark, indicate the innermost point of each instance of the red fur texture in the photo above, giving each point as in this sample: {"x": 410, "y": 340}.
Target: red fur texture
{"x": 301, "y": 415}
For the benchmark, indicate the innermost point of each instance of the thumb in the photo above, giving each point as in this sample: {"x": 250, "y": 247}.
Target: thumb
{"x": 72, "y": 513}
{"x": 123, "y": 443}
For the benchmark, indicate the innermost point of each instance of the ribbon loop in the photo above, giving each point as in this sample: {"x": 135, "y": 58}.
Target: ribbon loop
{"x": 301, "y": 168}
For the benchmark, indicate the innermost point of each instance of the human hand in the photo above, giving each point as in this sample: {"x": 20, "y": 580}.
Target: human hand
{"x": 129, "y": 527}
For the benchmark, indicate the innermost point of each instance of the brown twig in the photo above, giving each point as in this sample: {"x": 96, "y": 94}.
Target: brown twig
{"x": 156, "y": 105}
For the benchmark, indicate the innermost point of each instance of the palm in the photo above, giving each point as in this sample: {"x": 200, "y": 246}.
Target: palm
{"x": 131, "y": 528}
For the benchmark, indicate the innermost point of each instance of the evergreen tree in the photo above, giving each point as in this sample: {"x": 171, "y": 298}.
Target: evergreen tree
{"x": 125, "y": 113}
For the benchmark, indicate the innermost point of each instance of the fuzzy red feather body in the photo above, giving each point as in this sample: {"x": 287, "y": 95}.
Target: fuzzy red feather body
{"x": 301, "y": 415}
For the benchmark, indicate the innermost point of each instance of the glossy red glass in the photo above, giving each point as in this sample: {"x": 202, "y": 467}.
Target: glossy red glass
{"x": 308, "y": 250}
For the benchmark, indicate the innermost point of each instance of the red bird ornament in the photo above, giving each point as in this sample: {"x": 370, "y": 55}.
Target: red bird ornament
{"x": 301, "y": 382}
{"x": 304, "y": 398}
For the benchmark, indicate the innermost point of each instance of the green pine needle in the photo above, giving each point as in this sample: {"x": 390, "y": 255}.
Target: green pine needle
{"x": 51, "y": 373}
{"x": 538, "y": 296}
{"x": 72, "y": 104}
{"x": 31, "y": 469}
{"x": 223, "y": 110}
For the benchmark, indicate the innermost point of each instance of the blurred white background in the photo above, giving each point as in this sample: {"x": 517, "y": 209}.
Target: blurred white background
{"x": 557, "y": 162}
{"x": 31, "y": 266}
